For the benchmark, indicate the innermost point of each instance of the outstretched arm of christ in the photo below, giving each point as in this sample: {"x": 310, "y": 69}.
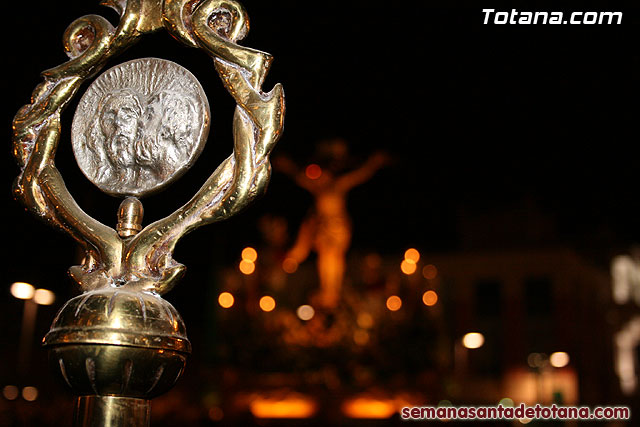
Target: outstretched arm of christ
{"x": 288, "y": 167}
{"x": 365, "y": 172}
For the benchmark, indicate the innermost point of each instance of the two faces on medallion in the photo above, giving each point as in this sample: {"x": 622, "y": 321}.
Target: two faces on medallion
{"x": 139, "y": 143}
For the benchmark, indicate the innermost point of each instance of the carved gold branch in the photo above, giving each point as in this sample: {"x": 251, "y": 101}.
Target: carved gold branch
{"x": 145, "y": 261}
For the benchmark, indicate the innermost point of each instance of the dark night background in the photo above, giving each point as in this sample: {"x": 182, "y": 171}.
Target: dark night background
{"x": 494, "y": 130}
{"x": 478, "y": 117}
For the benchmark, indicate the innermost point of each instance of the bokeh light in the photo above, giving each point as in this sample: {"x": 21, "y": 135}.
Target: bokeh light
{"x": 44, "y": 297}
{"x": 473, "y": 340}
{"x": 22, "y": 290}
{"x": 365, "y": 320}
{"x": 10, "y": 392}
{"x": 507, "y": 402}
{"x": 226, "y": 300}
{"x": 394, "y": 303}
{"x": 29, "y": 393}
{"x": 267, "y": 303}
{"x": 249, "y": 254}
{"x": 536, "y": 360}
{"x": 313, "y": 171}
{"x": 305, "y": 312}
{"x": 289, "y": 265}
{"x": 408, "y": 267}
{"x": 559, "y": 359}
{"x": 247, "y": 267}
{"x": 369, "y": 408}
{"x": 412, "y": 255}
{"x": 429, "y": 272}
{"x": 430, "y": 298}
{"x": 361, "y": 337}
{"x": 293, "y": 407}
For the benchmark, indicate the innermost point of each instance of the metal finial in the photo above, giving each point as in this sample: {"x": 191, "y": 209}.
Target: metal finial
{"x": 130, "y": 215}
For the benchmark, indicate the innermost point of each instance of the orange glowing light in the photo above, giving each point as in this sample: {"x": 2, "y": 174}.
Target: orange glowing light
{"x": 408, "y": 267}
{"x": 249, "y": 254}
{"x": 267, "y": 303}
{"x": 365, "y": 320}
{"x": 226, "y": 300}
{"x": 369, "y": 408}
{"x": 313, "y": 171}
{"x": 296, "y": 406}
{"x": 29, "y": 393}
{"x": 361, "y": 337}
{"x": 247, "y": 267}
{"x": 394, "y": 303}
{"x": 430, "y": 298}
{"x": 10, "y": 392}
{"x": 289, "y": 265}
{"x": 430, "y": 271}
{"x": 412, "y": 255}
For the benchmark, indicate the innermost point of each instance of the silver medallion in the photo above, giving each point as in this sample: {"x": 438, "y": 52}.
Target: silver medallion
{"x": 139, "y": 126}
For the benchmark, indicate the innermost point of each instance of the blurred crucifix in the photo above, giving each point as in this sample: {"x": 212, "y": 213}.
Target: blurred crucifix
{"x": 327, "y": 229}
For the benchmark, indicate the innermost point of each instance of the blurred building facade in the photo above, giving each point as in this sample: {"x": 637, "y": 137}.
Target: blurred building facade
{"x": 528, "y": 303}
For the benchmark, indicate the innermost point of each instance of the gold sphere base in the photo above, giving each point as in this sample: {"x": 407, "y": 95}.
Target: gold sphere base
{"x": 90, "y": 369}
{"x": 117, "y": 348}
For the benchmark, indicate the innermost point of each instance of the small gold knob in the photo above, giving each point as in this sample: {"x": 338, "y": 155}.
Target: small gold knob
{"x": 130, "y": 217}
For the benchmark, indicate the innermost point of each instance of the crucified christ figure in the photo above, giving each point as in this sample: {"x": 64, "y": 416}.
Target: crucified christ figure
{"x": 327, "y": 229}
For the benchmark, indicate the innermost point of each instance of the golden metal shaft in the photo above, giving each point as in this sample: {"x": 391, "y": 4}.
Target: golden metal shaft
{"x": 111, "y": 411}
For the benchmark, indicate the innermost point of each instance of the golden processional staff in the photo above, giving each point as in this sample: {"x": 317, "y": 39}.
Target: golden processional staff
{"x": 138, "y": 127}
